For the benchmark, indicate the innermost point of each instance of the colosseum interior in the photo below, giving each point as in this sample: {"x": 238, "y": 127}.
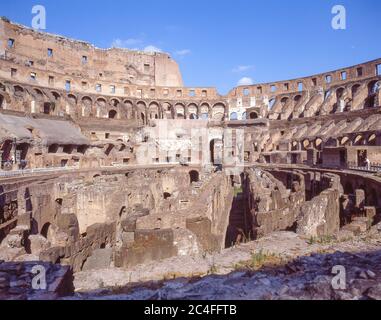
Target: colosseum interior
{"x": 109, "y": 163}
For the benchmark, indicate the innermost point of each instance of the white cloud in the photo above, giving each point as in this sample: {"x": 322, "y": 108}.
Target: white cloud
{"x": 242, "y": 68}
{"x": 245, "y": 81}
{"x": 152, "y": 48}
{"x": 183, "y": 52}
{"x": 127, "y": 43}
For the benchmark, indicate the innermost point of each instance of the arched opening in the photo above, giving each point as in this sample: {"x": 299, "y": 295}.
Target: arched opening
{"x": 168, "y": 110}
{"x": 306, "y": 144}
{"x": 204, "y": 111}
{"x": 194, "y": 176}
{"x": 166, "y": 195}
{"x": 192, "y": 111}
{"x": 372, "y": 140}
{"x": 1, "y": 101}
{"x": 339, "y": 93}
{"x": 112, "y": 114}
{"x": 371, "y": 100}
{"x": 318, "y": 143}
{"x": 180, "y": 111}
{"x": 218, "y": 112}
{"x": 153, "y": 111}
{"x": 272, "y": 103}
{"x": 6, "y": 149}
{"x": 48, "y": 108}
{"x": 215, "y": 148}
{"x": 348, "y": 188}
{"x": 19, "y": 91}
{"x": 358, "y": 140}
{"x": 284, "y": 101}
{"x": 86, "y": 106}
{"x": 355, "y": 90}
{"x": 53, "y": 148}
{"x": 72, "y": 99}
{"x": 233, "y": 116}
{"x": 297, "y": 99}
{"x": 344, "y": 141}
{"x": 39, "y": 95}
{"x": 47, "y": 232}
{"x": 253, "y": 115}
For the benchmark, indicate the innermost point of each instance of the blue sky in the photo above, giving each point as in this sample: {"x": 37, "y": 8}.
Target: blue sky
{"x": 219, "y": 42}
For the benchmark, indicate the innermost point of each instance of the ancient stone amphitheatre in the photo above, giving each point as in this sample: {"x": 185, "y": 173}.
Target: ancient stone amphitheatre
{"x": 122, "y": 183}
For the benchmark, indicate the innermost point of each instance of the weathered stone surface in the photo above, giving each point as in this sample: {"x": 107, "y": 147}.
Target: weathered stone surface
{"x": 320, "y": 216}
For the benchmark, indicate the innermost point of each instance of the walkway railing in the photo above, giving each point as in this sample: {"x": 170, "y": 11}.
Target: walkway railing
{"x": 25, "y": 172}
{"x": 372, "y": 167}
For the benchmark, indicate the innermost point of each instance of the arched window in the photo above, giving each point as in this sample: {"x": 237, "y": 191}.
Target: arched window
{"x": 233, "y": 116}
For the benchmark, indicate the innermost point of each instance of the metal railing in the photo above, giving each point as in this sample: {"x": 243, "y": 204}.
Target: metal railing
{"x": 372, "y": 167}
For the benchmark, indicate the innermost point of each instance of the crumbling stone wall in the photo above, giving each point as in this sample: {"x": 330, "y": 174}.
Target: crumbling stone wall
{"x": 320, "y": 216}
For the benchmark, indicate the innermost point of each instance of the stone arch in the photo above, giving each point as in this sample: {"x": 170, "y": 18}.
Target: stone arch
{"x": 180, "y": 111}
{"x": 194, "y": 176}
{"x": 141, "y": 111}
{"x": 253, "y": 115}
{"x": 101, "y": 105}
{"x": 48, "y": 232}
{"x": 72, "y": 99}
{"x": 297, "y": 99}
{"x": 127, "y": 110}
{"x": 294, "y": 146}
{"x": 19, "y": 91}
{"x": 340, "y": 92}
{"x": 204, "y": 111}
{"x": 358, "y": 140}
{"x": 114, "y": 102}
{"x": 373, "y": 87}
{"x": 218, "y": 111}
{"x": 272, "y": 103}
{"x": 318, "y": 143}
{"x": 215, "y": 152}
{"x": 233, "y": 116}
{"x": 371, "y": 100}
{"x": 284, "y": 101}
{"x": 372, "y": 139}
{"x": 344, "y": 141}
{"x": 154, "y": 110}
{"x": 192, "y": 111}
{"x": 355, "y": 89}
{"x": 305, "y": 144}
{"x": 168, "y": 112}
{"x": 112, "y": 114}
{"x": 87, "y": 104}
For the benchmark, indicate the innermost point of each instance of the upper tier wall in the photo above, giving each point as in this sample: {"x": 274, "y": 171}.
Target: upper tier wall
{"x": 65, "y": 59}
{"x": 324, "y": 80}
